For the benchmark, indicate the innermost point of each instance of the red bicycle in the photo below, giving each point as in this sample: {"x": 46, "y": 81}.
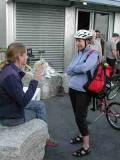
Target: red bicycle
{"x": 110, "y": 109}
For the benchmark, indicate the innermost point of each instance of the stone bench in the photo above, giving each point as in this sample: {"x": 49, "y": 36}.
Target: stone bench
{"x": 24, "y": 142}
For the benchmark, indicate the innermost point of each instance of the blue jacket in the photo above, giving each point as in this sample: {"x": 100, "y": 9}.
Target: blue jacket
{"x": 77, "y": 70}
{"x": 12, "y": 98}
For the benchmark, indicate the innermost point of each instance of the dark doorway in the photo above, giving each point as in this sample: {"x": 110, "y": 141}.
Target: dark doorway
{"x": 83, "y": 20}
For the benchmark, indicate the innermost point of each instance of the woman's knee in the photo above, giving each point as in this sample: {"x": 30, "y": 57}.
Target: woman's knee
{"x": 40, "y": 104}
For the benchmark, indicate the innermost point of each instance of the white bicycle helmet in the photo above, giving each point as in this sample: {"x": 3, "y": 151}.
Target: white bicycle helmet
{"x": 83, "y": 34}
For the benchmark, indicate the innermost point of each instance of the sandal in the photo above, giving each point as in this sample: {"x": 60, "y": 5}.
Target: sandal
{"x": 76, "y": 140}
{"x": 81, "y": 152}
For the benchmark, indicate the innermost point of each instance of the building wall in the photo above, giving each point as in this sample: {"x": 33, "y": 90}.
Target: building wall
{"x": 70, "y": 27}
{"x": 2, "y": 23}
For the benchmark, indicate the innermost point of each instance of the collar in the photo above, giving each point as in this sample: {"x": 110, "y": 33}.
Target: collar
{"x": 86, "y": 49}
{"x": 18, "y": 70}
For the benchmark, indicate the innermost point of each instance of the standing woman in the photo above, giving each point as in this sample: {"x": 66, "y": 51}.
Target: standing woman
{"x": 80, "y": 99}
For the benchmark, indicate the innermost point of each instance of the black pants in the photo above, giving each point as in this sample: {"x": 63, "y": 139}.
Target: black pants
{"x": 80, "y": 102}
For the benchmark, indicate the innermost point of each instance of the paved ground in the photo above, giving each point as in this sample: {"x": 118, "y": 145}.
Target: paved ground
{"x": 105, "y": 141}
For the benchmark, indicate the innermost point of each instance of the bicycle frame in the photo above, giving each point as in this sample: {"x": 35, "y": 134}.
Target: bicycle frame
{"x": 101, "y": 106}
{"x": 104, "y": 107}
{"x": 114, "y": 90}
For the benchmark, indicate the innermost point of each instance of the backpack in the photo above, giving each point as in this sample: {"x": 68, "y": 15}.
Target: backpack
{"x": 96, "y": 83}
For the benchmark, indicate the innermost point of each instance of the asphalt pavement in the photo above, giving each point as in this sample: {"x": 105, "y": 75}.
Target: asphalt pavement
{"x": 105, "y": 141}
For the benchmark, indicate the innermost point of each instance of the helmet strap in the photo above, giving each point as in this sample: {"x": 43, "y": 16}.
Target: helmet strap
{"x": 85, "y": 46}
{"x": 85, "y": 43}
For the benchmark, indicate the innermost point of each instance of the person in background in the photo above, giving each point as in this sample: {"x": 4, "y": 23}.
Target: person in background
{"x": 101, "y": 40}
{"x": 13, "y": 100}
{"x": 111, "y": 50}
{"x": 95, "y": 44}
{"x": 118, "y": 49}
{"x": 118, "y": 58}
{"x": 80, "y": 99}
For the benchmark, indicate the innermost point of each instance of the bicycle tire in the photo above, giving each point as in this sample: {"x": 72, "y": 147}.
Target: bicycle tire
{"x": 113, "y": 92}
{"x": 113, "y": 115}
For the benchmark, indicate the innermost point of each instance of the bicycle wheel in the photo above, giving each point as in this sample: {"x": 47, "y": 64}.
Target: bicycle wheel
{"x": 113, "y": 115}
{"x": 113, "y": 92}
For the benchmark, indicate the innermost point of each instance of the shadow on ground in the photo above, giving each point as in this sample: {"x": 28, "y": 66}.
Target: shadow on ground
{"x": 105, "y": 141}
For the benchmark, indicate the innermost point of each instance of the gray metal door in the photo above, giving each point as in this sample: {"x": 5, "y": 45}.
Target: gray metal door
{"x": 102, "y": 23}
{"x": 41, "y": 27}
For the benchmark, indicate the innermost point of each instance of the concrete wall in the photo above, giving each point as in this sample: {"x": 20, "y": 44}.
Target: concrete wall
{"x": 10, "y": 22}
{"x": 70, "y": 27}
{"x": 2, "y": 23}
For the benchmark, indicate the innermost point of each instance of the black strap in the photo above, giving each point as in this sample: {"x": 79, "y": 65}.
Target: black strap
{"x": 89, "y": 75}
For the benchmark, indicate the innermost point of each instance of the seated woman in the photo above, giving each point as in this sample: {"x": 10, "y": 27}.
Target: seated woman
{"x": 13, "y": 100}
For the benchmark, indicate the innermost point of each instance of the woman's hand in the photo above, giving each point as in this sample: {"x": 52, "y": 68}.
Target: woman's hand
{"x": 38, "y": 72}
